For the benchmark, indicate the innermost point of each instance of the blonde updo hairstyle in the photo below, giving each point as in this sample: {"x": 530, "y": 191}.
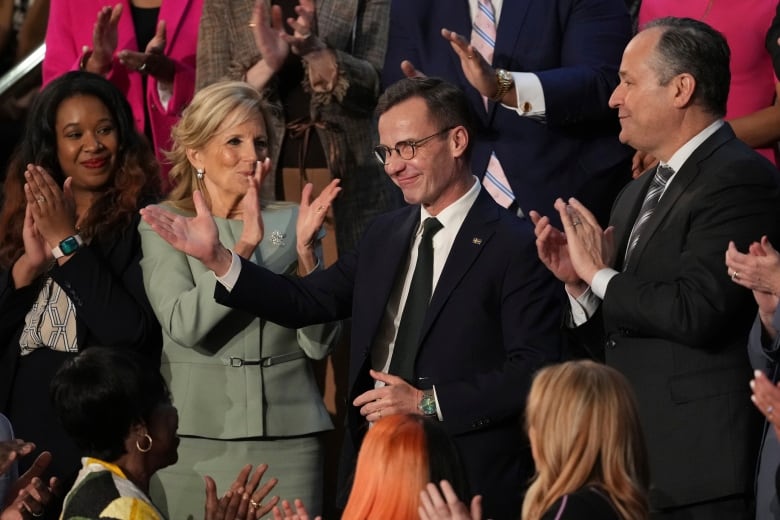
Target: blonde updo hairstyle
{"x": 586, "y": 432}
{"x": 213, "y": 108}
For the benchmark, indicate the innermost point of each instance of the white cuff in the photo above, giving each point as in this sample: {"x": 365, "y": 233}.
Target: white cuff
{"x": 530, "y": 95}
{"x": 229, "y": 279}
{"x": 438, "y": 408}
{"x": 582, "y": 308}
{"x": 601, "y": 280}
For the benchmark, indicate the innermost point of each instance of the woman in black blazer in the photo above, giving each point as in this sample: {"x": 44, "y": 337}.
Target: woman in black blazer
{"x": 69, "y": 249}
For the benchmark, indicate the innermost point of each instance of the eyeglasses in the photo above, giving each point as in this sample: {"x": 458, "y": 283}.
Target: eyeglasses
{"x": 405, "y": 149}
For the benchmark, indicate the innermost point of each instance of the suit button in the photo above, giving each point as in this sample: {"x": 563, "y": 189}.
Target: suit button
{"x": 610, "y": 344}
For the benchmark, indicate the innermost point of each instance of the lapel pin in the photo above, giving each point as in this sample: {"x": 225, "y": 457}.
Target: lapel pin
{"x": 476, "y": 240}
{"x": 277, "y": 238}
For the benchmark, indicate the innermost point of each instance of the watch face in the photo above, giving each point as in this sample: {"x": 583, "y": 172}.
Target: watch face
{"x": 69, "y": 245}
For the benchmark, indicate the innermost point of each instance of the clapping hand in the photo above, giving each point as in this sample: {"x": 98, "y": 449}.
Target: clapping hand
{"x": 434, "y": 506}
{"x": 288, "y": 513}
{"x": 243, "y": 501}
{"x": 196, "y": 236}
{"x": 153, "y": 60}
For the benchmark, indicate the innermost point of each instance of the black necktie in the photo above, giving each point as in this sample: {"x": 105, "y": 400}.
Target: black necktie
{"x": 407, "y": 341}
{"x": 654, "y": 192}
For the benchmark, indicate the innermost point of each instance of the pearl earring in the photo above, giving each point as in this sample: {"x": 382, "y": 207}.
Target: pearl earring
{"x": 199, "y": 173}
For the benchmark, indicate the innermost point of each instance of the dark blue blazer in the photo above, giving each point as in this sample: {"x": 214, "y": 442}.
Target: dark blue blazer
{"x": 492, "y": 322}
{"x": 575, "y": 48}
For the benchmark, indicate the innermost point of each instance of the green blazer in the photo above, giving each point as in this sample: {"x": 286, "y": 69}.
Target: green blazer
{"x": 231, "y": 374}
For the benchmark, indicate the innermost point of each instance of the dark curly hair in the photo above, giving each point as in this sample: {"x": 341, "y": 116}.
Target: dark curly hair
{"x": 101, "y": 394}
{"x": 136, "y": 179}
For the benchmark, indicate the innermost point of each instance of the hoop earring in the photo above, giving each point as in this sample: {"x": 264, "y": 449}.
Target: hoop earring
{"x": 138, "y": 445}
{"x": 199, "y": 173}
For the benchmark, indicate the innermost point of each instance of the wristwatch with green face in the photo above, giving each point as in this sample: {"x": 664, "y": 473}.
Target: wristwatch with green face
{"x": 68, "y": 246}
{"x": 427, "y": 404}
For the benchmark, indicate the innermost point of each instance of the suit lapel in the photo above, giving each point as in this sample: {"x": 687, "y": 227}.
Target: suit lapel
{"x": 173, "y": 13}
{"x": 689, "y": 171}
{"x": 474, "y": 235}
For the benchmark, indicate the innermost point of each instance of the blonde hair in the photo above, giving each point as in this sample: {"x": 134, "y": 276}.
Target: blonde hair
{"x": 220, "y": 105}
{"x": 586, "y": 433}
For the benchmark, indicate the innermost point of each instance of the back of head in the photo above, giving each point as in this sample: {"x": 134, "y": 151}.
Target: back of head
{"x": 399, "y": 455}
{"x": 99, "y": 394}
{"x": 447, "y": 105}
{"x": 219, "y": 105}
{"x": 583, "y": 420}
{"x": 690, "y": 46}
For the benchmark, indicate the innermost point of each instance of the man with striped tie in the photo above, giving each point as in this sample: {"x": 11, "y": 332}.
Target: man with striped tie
{"x": 649, "y": 295}
{"x": 538, "y": 74}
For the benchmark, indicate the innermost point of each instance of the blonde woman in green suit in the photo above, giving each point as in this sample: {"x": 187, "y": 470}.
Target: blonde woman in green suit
{"x": 243, "y": 386}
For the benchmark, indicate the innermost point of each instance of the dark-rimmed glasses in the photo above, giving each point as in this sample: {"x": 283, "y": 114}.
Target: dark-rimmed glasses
{"x": 405, "y": 149}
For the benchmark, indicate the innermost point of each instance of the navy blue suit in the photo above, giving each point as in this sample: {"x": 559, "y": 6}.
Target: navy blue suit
{"x": 492, "y": 322}
{"x": 574, "y": 47}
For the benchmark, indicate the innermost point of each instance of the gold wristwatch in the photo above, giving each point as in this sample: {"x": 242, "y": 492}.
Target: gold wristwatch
{"x": 504, "y": 80}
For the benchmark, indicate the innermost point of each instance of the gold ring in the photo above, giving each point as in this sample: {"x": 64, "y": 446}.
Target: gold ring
{"x": 470, "y": 56}
{"x": 142, "y": 68}
{"x": 320, "y": 208}
{"x": 735, "y": 276}
{"x": 253, "y": 504}
{"x": 41, "y": 199}
{"x": 252, "y": 24}
{"x": 576, "y": 223}
{"x": 379, "y": 413}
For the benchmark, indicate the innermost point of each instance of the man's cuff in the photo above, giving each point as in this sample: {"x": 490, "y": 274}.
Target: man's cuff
{"x": 530, "y": 95}
{"x": 229, "y": 279}
{"x": 438, "y": 408}
{"x": 582, "y": 308}
{"x": 601, "y": 280}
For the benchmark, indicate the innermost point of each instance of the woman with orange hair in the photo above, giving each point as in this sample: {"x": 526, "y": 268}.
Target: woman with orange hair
{"x": 399, "y": 455}
{"x": 587, "y": 443}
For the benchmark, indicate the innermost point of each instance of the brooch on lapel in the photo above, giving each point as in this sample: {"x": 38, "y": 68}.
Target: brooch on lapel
{"x": 476, "y": 241}
{"x": 277, "y": 238}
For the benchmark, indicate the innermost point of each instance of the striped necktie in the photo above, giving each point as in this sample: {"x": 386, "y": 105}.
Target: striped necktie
{"x": 483, "y": 38}
{"x": 654, "y": 192}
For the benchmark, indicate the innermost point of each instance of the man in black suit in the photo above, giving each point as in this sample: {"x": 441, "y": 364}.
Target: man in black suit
{"x": 492, "y": 317}
{"x": 649, "y": 294}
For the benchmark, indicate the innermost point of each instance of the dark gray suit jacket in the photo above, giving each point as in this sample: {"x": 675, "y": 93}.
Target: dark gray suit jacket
{"x": 676, "y": 325}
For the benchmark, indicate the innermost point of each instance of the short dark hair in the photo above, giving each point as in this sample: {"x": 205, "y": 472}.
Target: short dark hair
{"x": 693, "y": 47}
{"x": 101, "y": 393}
{"x": 447, "y": 104}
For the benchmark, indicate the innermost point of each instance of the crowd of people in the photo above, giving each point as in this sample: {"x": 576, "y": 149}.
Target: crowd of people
{"x": 530, "y": 333}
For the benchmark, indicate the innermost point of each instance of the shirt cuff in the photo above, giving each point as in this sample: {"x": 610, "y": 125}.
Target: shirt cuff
{"x": 164, "y": 92}
{"x": 582, "y": 308}
{"x": 229, "y": 279}
{"x": 530, "y": 95}
{"x": 601, "y": 280}
{"x": 438, "y": 408}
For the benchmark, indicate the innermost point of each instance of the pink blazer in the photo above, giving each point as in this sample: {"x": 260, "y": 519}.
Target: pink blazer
{"x": 70, "y": 30}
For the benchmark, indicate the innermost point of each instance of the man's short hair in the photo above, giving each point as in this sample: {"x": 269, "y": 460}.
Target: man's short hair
{"x": 693, "y": 47}
{"x": 447, "y": 104}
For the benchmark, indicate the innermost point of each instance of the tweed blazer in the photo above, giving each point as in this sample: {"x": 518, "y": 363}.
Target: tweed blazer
{"x": 209, "y": 349}
{"x": 356, "y": 31}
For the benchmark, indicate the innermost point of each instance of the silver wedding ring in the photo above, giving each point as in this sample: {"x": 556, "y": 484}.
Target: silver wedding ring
{"x": 735, "y": 276}
{"x": 41, "y": 199}
{"x": 142, "y": 68}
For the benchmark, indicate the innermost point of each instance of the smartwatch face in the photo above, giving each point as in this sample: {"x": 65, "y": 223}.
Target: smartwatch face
{"x": 69, "y": 245}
